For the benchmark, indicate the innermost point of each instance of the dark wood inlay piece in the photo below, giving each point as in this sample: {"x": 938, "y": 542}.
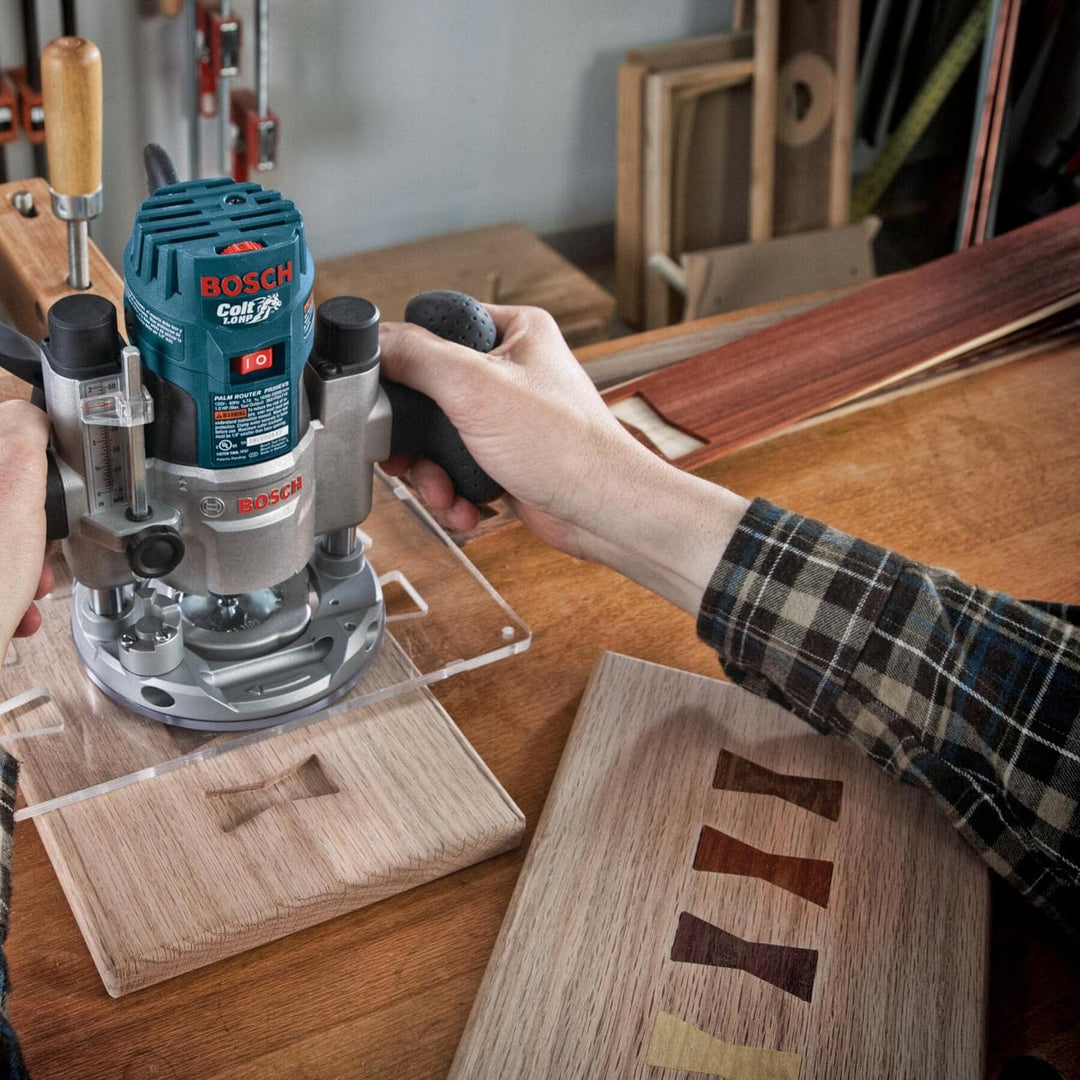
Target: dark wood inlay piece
{"x": 719, "y": 853}
{"x": 787, "y": 967}
{"x": 734, "y": 773}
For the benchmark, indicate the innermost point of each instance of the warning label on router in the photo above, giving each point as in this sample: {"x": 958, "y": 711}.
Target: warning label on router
{"x": 251, "y": 425}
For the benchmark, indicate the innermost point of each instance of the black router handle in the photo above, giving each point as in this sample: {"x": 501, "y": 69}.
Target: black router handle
{"x": 419, "y": 426}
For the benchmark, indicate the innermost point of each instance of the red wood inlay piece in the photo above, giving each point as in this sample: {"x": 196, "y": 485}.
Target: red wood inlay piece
{"x": 734, "y": 773}
{"x": 787, "y": 967}
{"x": 719, "y": 853}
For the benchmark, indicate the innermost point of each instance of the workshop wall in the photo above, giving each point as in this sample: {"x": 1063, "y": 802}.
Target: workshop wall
{"x": 398, "y": 119}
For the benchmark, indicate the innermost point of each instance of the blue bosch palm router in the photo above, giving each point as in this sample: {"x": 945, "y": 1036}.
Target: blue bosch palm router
{"x": 207, "y": 478}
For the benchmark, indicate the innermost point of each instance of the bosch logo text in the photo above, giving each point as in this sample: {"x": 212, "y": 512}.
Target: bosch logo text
{"x": 247, "y": 284}
{"x": 270, "y": 498}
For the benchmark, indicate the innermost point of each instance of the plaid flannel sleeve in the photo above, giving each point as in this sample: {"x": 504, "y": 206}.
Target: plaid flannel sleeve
{"x": 967, "y": 693}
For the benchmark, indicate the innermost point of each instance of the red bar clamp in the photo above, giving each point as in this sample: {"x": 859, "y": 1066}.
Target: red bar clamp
{"x": 31, "y": 109}
{"x": 257, "y": 136}
{"x": 219, "y": 51}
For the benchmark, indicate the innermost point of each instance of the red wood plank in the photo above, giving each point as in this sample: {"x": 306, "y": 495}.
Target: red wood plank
{"x": 737, "y": 394}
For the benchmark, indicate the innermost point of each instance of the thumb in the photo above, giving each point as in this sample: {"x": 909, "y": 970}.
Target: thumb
{"x": 428, "y": 363}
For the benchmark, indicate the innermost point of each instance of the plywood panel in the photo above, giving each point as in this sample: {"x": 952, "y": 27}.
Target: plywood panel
{"x": 621, "y": 951}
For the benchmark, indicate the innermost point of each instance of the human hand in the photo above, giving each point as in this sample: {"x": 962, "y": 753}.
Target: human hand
{"x": 534, "y": 422}
{"x": 528, "y": 414}
{"x": 24, "y": 434}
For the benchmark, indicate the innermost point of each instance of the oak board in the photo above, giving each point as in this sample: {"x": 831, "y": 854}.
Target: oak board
{"x": 801, "y": 946}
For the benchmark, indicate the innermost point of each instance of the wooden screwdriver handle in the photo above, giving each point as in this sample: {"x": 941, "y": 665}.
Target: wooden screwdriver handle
{"x": 71, "y": 87}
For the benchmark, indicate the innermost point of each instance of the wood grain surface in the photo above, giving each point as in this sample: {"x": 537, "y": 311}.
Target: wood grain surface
{"x": 34, "y": 269}
{"x": 612, "y": 921}
{"x": 978, "y": 475}
{"x": 666, "y": 94}
{"x": 503, "y": 264}
{"x": 630, "y": 253}
{"x": 256, "y": 843}
{"x": 889, "y": 329}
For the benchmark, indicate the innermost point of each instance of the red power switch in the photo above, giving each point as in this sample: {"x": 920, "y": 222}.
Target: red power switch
{"x": 260, "y": 360}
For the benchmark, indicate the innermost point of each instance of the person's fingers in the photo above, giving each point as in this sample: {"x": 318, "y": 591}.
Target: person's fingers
{"x": 420, "y": 359}
{"x": 512, "y": 318}
{"x": 22, "y": 420}
{"x": 46, "y": 582}
{"x": 398, "y": 465}
{"x": 29, "y": 624}
{"x": 461, "y": 515}
{"x": 433, "y": 484}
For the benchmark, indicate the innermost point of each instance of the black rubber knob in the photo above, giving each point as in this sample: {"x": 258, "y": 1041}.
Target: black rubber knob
{"x": 419, "y": 425}
{"x": 83, "y": 339}
{"x": 346, "y": 336}
{"x": 455, "y": 316}
{"x": 155, "y": 551}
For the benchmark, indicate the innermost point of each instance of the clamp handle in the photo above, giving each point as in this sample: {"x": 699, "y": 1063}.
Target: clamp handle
{"x": 71, "y": 85}
{"x": 419, "y": 425}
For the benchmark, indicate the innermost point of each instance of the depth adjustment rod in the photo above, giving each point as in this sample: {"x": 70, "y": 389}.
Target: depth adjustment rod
{"x": 71, "y": 85}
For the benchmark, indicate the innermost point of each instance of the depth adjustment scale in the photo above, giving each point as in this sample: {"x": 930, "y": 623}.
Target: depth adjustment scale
{"x": 208, "y": 479}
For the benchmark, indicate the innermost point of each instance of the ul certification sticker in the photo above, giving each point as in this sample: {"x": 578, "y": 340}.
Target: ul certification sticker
{"x": 251, "y": 425}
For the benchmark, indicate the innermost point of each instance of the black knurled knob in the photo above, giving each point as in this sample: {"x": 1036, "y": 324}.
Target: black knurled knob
{"x": 155, "y": 551}
{"x": 83, "y": 338}
{"x": 347, "y": 334}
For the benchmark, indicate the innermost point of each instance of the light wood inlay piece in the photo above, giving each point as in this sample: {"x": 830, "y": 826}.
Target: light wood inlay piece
{"x": 675, "y": 1044}
{"x": 583, "y": 962}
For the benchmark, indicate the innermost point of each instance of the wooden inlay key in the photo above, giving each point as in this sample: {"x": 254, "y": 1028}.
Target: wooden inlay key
{"x": 719, "y": 853}
{"x": 785, "y": 966}
{"x": 734, "y": 773}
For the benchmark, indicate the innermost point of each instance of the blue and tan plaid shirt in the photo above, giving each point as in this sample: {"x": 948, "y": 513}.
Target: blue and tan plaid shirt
{"x": 965, "y": 692}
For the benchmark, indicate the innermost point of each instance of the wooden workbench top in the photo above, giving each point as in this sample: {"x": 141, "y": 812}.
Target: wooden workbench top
{"x": 979, "y": 474}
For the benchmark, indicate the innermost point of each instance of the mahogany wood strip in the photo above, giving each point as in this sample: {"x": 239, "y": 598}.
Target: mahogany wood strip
{"x": 719, "y": 853}
{"x": 675, "y": 1044}
{"x": 735, "y": 773}
{"x": 993, "y": 166}
{"x": 786, "y": 967}
{"x": 995, "y": 43}
{"x": 889, "y": 329}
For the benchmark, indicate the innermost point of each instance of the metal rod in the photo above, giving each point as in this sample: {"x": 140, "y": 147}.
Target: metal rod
{"x": 190, "y": 26}
{"x": 224, "y": 128}
{"x": 67, "y": 18}
{"x": 31, "y": 46}
{"x": 262, "y": 59}
{"x": 340, "y": 542}
{"x": 107, "y": 602}
{"x": 78, "y": 237}
{"x": 131, "y": 369}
